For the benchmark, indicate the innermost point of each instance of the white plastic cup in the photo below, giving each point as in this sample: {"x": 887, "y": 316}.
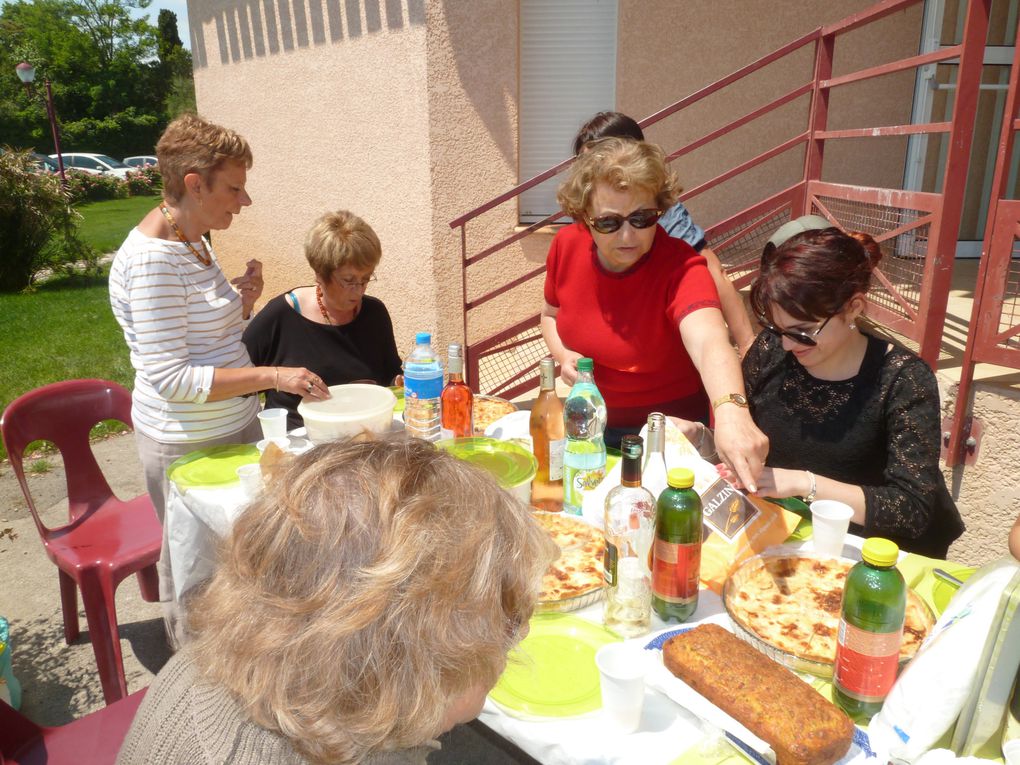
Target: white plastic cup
{"x": 251, "y": 479}
{"x": 274, "y": 423}
{"x": 830, "y": 521}
{"x": 622, "y": 678}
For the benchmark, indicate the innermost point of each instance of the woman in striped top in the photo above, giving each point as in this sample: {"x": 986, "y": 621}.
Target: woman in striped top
{"x": 183, "y": 320}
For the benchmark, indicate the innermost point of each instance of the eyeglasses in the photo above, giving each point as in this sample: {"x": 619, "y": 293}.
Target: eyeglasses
{"x": 356, "y": 284}
{"x": 801, "y": 338}
{"x": 607, "y": 224}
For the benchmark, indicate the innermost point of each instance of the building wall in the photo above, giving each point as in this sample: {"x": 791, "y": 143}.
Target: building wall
{"x": 334, "y": 101}
{"x": 709, "y": 39}
{"x": 987, "y": 492}
{"x": 406, "y": 113}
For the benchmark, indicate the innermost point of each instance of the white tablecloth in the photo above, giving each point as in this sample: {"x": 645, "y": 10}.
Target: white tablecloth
{"x": 197, "y": 518}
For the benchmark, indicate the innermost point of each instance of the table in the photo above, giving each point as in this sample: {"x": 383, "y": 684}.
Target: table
{"x": 197, "y": 518}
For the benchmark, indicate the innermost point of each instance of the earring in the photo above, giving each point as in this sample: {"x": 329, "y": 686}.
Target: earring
{"x": 852, "y": 326}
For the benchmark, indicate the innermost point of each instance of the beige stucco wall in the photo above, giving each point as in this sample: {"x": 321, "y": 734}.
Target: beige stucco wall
{"x": 987, "y": 492}
{"x": 668, "y": 50}
{"x": 403, "y": 112}
{"x": 335, "y": 106}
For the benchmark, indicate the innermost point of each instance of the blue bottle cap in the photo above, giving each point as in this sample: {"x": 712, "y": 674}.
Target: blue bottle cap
{"x": 423, "y": 337}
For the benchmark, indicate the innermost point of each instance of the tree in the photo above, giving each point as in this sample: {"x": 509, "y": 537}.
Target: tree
{"x": 105, "y": 71}
{"x": 169, "y": 39}
{"x": 176, "y": 64}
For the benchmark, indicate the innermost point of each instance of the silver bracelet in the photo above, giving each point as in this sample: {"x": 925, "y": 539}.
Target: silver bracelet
{"x": 814, "y": 488}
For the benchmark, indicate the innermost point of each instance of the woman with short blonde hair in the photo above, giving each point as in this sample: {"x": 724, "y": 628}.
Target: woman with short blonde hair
{"x": 331, "y": 326}
{"x": 340, "y": 239}
{"x": 364, "y": 604}
{"x": 191, "y": 144}
{"x": 182, "y": 318}
{"x": 642, "y": 305}
{"x": 623, "y": 164}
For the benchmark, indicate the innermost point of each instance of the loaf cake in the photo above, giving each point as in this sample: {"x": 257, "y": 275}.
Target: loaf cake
{"x": 769, "y": 700}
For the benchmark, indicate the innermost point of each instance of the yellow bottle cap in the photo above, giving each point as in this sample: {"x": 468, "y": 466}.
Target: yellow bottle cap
{"x": 680, "y": 478}
{"x": 880, "y": 552}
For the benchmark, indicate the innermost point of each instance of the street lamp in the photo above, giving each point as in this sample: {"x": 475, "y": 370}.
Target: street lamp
{"x": 26, "y": 73}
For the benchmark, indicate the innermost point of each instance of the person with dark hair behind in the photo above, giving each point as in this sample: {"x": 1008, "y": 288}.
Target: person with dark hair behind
{"x": 849, "y": 416}
{"x": 678, "y": 224}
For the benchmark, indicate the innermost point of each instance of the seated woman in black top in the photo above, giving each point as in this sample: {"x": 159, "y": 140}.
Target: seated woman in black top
{"x": 849, "y": 416}
{"x": 337, "y": 331}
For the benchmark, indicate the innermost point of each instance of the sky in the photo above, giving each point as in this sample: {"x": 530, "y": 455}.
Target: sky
{"x": 180, "y": 7}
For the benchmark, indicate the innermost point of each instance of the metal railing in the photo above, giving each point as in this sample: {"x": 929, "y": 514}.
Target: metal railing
{"x": 916, "y": 230}
{"x": 993, "y": 336}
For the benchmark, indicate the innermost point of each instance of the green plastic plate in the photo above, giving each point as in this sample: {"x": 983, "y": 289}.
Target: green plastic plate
{"x": 804, "y": 529}
{"x": 552, "y": 673}
{"x": 398, "y": 391}
{"x": 507, "y": 462}
{"x": 213, "y": 466}
{"x": 942, "y": 592}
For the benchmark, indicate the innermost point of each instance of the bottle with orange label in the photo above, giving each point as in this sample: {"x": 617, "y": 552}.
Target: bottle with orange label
{"x": 676, "y": 555}
{"x": 870, "y": 630}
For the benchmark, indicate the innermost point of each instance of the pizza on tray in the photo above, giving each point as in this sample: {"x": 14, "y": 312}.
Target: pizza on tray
{"x": 578, "y": 570}
{"x": 793, "y": 603}
{"x": 485, "y": 410}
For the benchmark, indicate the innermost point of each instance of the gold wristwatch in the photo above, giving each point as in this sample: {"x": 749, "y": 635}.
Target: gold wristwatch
{"x": 730, "y": 398}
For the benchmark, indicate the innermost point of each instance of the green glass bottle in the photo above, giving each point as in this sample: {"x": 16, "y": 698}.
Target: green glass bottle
{"x": 676, "y": 556}
{"x": 870, "y": 631}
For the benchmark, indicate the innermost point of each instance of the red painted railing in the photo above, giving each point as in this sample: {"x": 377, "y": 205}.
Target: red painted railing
{"x": 913, "y": 285}
{"x": 994, "y": 333}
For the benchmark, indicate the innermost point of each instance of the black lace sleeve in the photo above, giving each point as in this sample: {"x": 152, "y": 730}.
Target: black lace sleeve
{"x": 904, "y": 504}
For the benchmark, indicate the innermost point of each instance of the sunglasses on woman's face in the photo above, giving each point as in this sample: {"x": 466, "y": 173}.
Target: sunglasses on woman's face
{"x": 801, "y": 338}
{"x": 607, "y": 224}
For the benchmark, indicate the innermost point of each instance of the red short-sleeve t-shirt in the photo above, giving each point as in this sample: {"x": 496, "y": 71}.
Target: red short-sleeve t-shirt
{"x": 628, "y": 322}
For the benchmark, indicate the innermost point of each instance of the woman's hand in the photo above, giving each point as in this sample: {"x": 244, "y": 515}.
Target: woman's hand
{"x": 775, "y": 482}
{"x": 701, "y": 438}
{"x": 249, "y": 286}
{"x": 740, "y": 444}
{"x": 301, "y": 382}
{"x": 568, "y": 366}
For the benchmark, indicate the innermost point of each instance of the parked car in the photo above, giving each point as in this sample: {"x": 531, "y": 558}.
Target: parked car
{"x": 145, "y": 160}
{"x": 97, "y": 164}
{"x": 43, "y": 164}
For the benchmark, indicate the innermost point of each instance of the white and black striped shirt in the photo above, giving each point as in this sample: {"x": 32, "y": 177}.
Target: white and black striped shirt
{"x": 181, "y": 320}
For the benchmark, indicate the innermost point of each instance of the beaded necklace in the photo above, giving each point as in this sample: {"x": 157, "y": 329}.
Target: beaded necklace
{"x": 205, "y": 260}
{"x": 322, "y": 307}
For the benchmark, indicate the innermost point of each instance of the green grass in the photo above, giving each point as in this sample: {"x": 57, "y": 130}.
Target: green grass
{"x": 104, "y": 225}
{"x": 62, "y": 331}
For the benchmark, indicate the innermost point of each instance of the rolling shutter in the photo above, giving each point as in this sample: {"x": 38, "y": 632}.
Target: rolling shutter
{"x": 568, "y": 73}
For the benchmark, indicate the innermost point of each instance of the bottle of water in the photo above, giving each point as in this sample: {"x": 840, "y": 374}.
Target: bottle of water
{"x": 653, "y": 474}
{"x": 584, "y": 421}
{"x": 423, "y": 387}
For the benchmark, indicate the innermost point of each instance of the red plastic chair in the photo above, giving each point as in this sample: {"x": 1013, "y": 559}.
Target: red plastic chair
{"x": 105, "y": 539}
{"x": 91, "y": 740}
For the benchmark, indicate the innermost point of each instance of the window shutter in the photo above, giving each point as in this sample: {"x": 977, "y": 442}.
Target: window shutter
{"x": 568, "y": 73}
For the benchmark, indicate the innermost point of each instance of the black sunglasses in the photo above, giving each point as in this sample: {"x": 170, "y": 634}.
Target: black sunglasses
{"x": 801, "y": 338}
{"x": 607, "y": 224}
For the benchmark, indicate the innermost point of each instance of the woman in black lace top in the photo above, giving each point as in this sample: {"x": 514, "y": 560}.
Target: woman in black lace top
{"x": 849, "y": 416}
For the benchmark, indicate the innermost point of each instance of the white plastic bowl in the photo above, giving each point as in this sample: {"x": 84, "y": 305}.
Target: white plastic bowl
{"x": 350, "y": 410}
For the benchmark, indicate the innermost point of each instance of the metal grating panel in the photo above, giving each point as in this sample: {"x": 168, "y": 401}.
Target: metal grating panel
{"x": 512, "y": 362}
{"x": 742, "y": 255}
{"x": 1010, "y": 315}
{"x": 902, "y": 257}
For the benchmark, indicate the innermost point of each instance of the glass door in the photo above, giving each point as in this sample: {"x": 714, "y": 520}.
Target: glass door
{"x": 934, "y": 96}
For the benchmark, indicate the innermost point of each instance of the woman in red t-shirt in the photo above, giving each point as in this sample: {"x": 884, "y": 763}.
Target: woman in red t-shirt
{"x": 641, "y": 304}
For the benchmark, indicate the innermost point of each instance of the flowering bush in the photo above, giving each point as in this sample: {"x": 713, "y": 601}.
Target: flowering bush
{"x": 144, "y": 181}
{"x": 37, "y": 225}
{"x": 90, "y": 187}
